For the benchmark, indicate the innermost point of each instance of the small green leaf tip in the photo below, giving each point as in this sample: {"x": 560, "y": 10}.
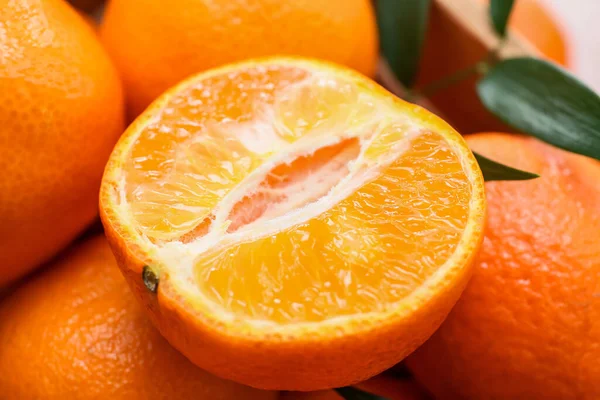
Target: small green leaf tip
{"x": 350, "y": 393}
{"x": 494, "y": 171}
{"x": 500, "y": 13}
{"x": 402, "y": 27}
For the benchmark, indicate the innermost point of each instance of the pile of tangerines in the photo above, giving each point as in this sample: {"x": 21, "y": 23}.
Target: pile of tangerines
{"x": 276, "y": 225}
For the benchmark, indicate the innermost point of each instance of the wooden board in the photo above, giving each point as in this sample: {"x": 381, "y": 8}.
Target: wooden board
{"x": 460, "y": 35}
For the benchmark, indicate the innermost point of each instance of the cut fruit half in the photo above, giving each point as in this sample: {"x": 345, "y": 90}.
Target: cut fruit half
{"x": 289, "y": 224}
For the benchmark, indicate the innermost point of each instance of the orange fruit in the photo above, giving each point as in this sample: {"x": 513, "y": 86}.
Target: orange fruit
{"x": 531, "y": 21}
{"x": 535, "y": 23}
{"x": 156, "y": 44}
{"x": 388, "y": 387}
{"x": 75, "y": 332}
{"x": 61, "y": 112}
{"x": 528, "y": 324}
{"x": 294, "y": 214}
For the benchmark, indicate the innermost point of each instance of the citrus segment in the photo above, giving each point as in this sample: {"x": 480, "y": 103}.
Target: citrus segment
{"x": 363, "y": 254}
{"x": 284, "y": 195}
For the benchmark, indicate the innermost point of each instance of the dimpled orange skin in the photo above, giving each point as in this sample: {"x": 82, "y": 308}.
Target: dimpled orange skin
{"x": 76, "y": 332}
{"x": 353, "y": 353}
{"x": 61, "y": 112}
{"x": 528, "y": 324}
{"x": 155, "y": 44}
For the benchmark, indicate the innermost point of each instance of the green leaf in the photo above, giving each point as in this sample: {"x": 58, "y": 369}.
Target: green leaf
{"x": 544, "y": 101}
{"x": 350, "y": 393}
{"x": 500, "y": 13}
{"x": 494, "y": 171}
{"x": 402, "y": 25}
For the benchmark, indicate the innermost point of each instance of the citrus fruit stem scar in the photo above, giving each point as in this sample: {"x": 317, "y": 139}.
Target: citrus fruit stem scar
{"x": 150, "y": 279}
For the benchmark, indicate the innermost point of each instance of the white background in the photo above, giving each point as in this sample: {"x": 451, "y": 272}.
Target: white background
{"x": 580, "y": 22}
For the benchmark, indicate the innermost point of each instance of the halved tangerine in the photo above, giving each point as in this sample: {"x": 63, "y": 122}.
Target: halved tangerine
{"x": 289, "y": 224}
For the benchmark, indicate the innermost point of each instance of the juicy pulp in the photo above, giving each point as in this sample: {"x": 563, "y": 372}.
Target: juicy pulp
{"x": 294, "y": 196}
